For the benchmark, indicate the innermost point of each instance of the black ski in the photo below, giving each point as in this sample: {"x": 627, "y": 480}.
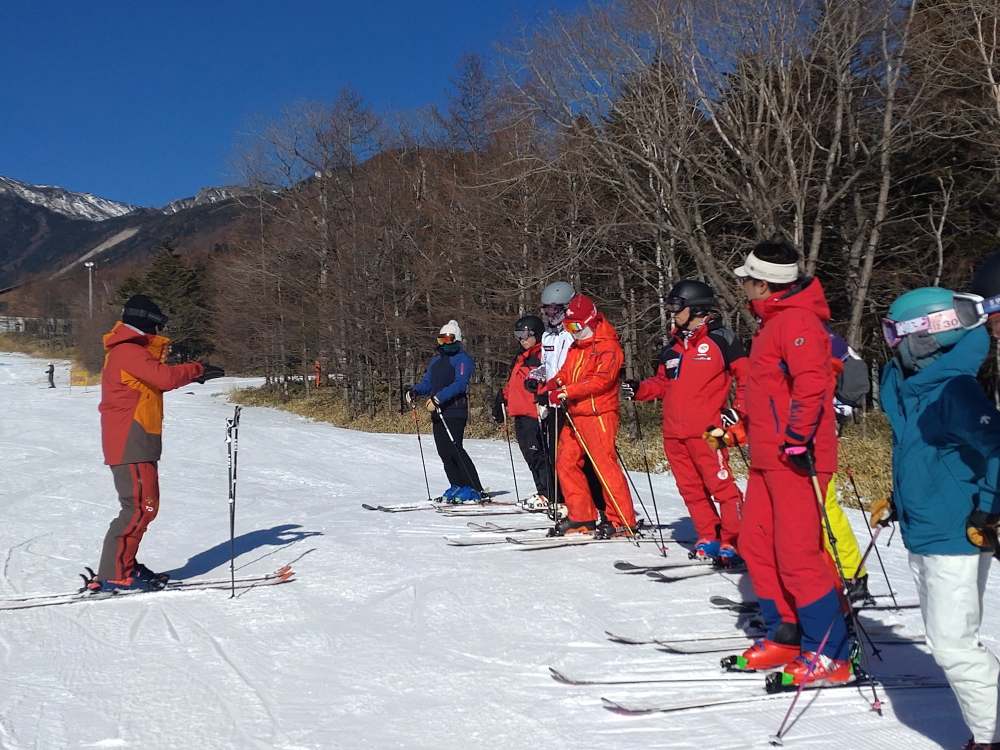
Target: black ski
{"x": 624, "y": 707}
{"x": 752, "y": 607}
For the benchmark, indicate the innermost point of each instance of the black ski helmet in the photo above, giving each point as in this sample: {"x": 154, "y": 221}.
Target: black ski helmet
{"x": 986, "y": 281}
{"x": 531, "y": 323}
{"x": 142, "y": 313}
{"x": 691, "y": 293}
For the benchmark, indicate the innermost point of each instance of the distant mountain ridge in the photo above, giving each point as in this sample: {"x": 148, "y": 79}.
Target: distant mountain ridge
{"x": 66, "y": 202}
{"x": 49, "y": 230}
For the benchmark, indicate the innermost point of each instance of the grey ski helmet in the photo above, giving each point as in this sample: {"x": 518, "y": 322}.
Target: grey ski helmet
{"x": 558, "y": 293}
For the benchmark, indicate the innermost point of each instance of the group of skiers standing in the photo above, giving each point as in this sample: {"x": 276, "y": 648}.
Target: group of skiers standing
{"x": 787, "y": 528}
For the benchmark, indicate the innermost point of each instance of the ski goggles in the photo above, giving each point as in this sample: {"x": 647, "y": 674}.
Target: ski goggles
{"x": 446, "y": 338}
{"x": 574, "y": 326}
{"x": 676, "y": 304}
{"x": 524, "y": 334}
{"x": 935, "y": 322}
{"x": 973, "y": 310}
{"x": 157, "y": 319}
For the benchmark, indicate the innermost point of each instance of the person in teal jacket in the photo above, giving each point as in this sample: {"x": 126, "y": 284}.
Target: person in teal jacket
{"x": 945, "y": 466}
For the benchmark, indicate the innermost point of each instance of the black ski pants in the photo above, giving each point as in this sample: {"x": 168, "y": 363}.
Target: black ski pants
{"x": 457, "y": 464}
{"x": 554, "y": 424}
{"x": 530, "y": 440}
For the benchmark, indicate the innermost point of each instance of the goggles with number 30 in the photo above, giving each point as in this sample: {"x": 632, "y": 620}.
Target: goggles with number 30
{"x": 973, "y": 310}
{"x": 935, "y": 322}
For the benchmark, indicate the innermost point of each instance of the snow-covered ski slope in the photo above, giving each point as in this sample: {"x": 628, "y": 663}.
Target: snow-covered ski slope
{"x": 388, "y": 637}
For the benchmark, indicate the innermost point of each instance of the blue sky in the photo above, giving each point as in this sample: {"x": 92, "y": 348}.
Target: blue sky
{"x": 142, "y": 102}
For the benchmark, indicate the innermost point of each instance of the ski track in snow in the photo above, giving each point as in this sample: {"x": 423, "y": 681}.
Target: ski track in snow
{"x": 387, "y": 636}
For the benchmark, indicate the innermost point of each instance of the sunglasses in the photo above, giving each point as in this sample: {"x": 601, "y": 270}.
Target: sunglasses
{"x": 446, "y": 338}
{"x": 936, "y": 322}
{"x": 552, "y": 309}
{"x": 973, "y": 310}
{"x": 524, "y": 335}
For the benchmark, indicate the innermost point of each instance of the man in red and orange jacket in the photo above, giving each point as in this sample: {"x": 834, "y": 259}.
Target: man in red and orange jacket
{"x": 132, "y": 385}
{"x": 587, "y": 388}
{"x": 696, "y": 372}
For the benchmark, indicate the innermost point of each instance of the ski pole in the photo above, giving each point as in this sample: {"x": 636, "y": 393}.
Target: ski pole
{"x": 458, "y": 451}
{"x": 600, "y": 476}
{"x": 555, "y": 474}
{"x": 776, "y": 738}
{"x": 232, "y": 444}
{"x": 850, "y": 475}
{"x": 621, "y": 462}
{"x": 649, "y": 478}
{"x": 513, "y": 471}
{"x": 416, "y": 424}
{"x": 877, "y": 705}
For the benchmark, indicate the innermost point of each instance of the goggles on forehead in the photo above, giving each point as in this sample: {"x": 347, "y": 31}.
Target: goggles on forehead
{"x": 935, "y": 322}
{"x": 973, "y": 310}
{"x": 446, "y": 338}
{"x": 574, "y": 326}
{"x": 524, "y": 334}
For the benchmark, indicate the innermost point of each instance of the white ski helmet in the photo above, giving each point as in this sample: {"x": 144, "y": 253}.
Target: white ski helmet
{"x": 558, "y": 293}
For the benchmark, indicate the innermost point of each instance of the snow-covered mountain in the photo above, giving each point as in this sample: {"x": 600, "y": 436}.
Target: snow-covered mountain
{"x": 66, "y": 202}
{"x": 204, "y": 196}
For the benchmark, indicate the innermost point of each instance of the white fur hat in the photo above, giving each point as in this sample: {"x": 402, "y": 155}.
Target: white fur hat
{"x": 452, "y": 327}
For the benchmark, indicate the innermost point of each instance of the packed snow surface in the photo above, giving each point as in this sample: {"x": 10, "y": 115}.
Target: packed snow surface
{"x": 387, "y": 637}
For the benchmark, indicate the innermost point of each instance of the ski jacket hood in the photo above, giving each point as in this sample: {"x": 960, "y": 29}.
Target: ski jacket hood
{"x": 132, "y": 385}
{"x": 790, "y": 381}
{"x": 807, "y": 295}
{"x": 521, "y": 402}
{"x": 694, "y": 379}
{"x": 945, "y": 447}
{"x": 589, "y": 376}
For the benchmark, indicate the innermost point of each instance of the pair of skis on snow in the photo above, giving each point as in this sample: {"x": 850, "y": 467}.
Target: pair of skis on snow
{"x": 31, "y": 601}
{"x": 489, "y": 507}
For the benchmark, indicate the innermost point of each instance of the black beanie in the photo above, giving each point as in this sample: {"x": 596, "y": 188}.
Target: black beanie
{"x": 142, "y": 313}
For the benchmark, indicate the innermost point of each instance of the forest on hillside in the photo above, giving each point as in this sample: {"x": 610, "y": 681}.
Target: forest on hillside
{"x": 622, "y": 149}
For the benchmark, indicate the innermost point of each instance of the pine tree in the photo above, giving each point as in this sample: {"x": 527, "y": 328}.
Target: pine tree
{"x": 177, "y": 290}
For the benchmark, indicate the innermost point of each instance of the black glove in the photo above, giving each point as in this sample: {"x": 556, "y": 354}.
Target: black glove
{"x": 410, "y": 394}
{"x": 499, "y": 404}
{"x": 531, "y": 385}
{"x": 799, "y": 456}
{"x": 981, "y": 528}
{"x": 629, "y": 388}
{"x": 210, "y": 372}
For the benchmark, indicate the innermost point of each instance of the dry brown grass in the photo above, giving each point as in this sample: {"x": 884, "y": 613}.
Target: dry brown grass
{"x": 865, "y": 448}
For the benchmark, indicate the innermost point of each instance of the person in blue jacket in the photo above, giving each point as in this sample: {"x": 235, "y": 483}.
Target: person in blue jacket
{"x": 445, "y": 383}
{"x": 945, "y": 466}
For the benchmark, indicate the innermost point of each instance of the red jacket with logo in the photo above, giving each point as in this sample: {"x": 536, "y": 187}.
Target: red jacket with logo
{"x": 694, "y": 379}
{"x": 132, "y": 386}
{"x": 789, "y": 394}
{"x": 521, "y": 402}
{"x": 589, "y": 376}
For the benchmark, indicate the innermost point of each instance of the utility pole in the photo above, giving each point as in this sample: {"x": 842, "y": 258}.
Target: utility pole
{"x": 90, "y": 286}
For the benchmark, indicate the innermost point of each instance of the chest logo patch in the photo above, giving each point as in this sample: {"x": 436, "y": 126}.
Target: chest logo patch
{"x": 703, "y": 348}
{"x": 799, "y": 341}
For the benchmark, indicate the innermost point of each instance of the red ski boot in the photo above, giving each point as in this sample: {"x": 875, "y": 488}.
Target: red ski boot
{"x": 762, "y": 655}
{"x": 825, "y": 671}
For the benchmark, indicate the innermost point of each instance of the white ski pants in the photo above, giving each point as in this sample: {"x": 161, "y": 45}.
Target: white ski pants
{"x": 951, "y": 602}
